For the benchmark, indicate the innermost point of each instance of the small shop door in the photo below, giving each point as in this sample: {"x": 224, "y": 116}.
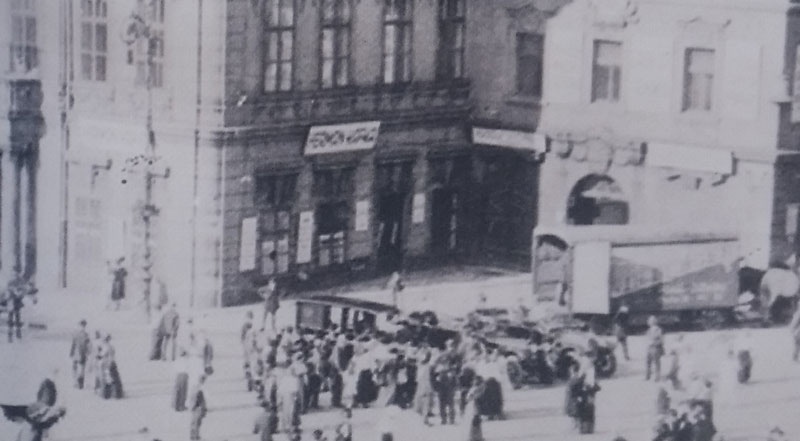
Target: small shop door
{"x": 444, "y": 214}
{"x": 390, "y": 230}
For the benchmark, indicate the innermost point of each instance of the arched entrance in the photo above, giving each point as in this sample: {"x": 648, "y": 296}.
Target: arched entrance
{"x": 597, "y": 200}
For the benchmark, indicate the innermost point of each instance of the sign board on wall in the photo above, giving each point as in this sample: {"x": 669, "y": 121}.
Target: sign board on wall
{"x": 510, "y": 138}
{"x": 683, "y": 157}
{"x": 247, "y": 244}
{"x": 342, "y": 137}
{"x": 796, "y": 87}
{"x": 591, "y": 273}
{"x": 418, "y": 209}
{"x": 305, "y": 237}
{"x": 362, "y": 215}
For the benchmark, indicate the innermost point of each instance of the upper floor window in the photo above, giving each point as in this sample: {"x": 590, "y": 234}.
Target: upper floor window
{"x": 23, "y": 52}
{"x": 451, "y": 39}
{"x": 698, "y": 79}
{"x": 397, "y": 33}
{"x": 151, "y": 48}
{"x": 94, "y": 40}
{"x": 530, "y": 53}
{"x": 606, "y": 71}
{"x": 335, "y": 45}
{"x": 279, "y": 39}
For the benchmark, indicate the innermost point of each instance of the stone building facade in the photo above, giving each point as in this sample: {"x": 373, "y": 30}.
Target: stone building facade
{"x": 675, "y": 115}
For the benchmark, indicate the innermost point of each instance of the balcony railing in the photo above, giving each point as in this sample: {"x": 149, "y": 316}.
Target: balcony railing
{"x": 408, "y": 101}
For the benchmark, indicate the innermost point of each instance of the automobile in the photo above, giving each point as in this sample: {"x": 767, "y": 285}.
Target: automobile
{"x": 318, "y": 313}
{"x": 542, "y": 353}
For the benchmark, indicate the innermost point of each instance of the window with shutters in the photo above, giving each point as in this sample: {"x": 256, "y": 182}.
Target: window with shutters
{"x": 530, "y": 54}
{"x": 451, "y": 39}
{"x": 335, "y": 43}
{"x": 397, "y": 37}
{"x": 24, "y": 55}
{"x": 698, "y": 79}
{"x": 153, "y": 47}
{"x": 333, "y": 190}
{"x": 274, "y": 198}
{"x": 279, "y": 44}
{"x": 606, "y": 71}
{"x": 94, "y": 40}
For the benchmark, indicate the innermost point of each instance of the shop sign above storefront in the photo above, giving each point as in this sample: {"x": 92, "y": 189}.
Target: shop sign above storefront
{"x": 684, "y": 157}
{"x": 510, "y": 138}
{"x": 342, "y": 137}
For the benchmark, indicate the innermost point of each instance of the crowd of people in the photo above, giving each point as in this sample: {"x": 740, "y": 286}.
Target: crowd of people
{"x": 94, "y": 363}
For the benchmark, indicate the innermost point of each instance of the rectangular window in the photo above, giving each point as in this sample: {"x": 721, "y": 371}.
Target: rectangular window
{"x": 335, "y": 44}
{"x": 606, "y": 71}
{"x": 274, "y": 199}
{"x": 397, "y": 36}
{"x": 279, "y": 43}
{"x": 152, "y": 48}
{"x": 698, "y": 79}
{"x": 94, "y": 40}
{"x": 530, "y": 54}
{"x": 333, "y": 190}
{"x": 451, "y": 39}
{"x": 24, "y": 55}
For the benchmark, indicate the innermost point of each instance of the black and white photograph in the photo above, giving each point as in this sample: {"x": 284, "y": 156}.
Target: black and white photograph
{"x": 399, "y": 220}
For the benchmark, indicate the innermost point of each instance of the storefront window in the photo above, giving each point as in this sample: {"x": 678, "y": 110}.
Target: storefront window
{"x": 333, "y": 190}
{"x": 274, "y": 198}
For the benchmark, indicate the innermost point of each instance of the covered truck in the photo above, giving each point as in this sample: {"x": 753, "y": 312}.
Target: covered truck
{"x": 592, "y": 270}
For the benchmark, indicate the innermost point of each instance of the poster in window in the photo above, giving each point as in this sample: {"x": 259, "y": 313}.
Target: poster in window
{"x": 248, "y": 244}
{"x": 362, "y": 215}
{"x": 305, "y": 236}
{"x": 418, "y": 209}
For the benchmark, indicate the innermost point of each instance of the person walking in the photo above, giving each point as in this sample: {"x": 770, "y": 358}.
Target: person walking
{"x": 118, "y": 275}
{"x": 266, "y": 424}
{"x": 79, "y": 353}
{"x": 181, "y": 386}
{"x": 112, "y": 383}
{"x": 269, "y": 293}
{"x": 655, "y": 348}
{"x": 445, "y": 385}
{"x": 199, "y": 410}
{"x": 171, "y": 322}
{"x": 621, "y": 323}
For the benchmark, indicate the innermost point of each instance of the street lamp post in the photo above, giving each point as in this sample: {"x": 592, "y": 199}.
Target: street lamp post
{"x": 139, "y": 29}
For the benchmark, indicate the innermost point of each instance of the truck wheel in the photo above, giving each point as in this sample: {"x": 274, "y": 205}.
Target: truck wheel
{"x": 605, "y": 364}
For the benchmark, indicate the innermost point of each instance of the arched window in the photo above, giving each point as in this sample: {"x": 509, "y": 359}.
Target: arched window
{"x": 597, "y": 200}
{"x": 94, "y": 40}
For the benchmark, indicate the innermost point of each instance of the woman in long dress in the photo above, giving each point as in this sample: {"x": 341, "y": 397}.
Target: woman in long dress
{"x": 112, "y": 383}
{"x": 181, "y": 388}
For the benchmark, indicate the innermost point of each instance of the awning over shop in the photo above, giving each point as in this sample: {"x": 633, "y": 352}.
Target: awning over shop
{"x": 690, "y": 158}
{"x": 531, "y": 141}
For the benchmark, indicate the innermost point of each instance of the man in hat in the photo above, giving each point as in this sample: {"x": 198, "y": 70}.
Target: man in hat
{"x": 79, "y": 353}
{"x": 655, "y": 348}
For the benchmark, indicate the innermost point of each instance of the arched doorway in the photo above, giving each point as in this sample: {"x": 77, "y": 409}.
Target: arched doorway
{"x": 597, "y": 200}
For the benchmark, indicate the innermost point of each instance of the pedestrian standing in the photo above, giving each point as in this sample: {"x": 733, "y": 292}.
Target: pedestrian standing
{"x": 118, "y": 275}
{"x": 621, "y": 323}
{"x": 112, "y": 383}
{"x": 181, "y": 386}
{"x": 395, "y": 284}
{"x": 655, "y": 348}
{"x": 172, "y": 322}
{"x": 269, "y": 293}
{"x": 17, "y": 289}
{"x": 79, "y": 353}
{"x": 445, "y": 385}
{"x": 199, "y": 410}
{"x": 794, "y": 327}
{"x": 424, "y": 394}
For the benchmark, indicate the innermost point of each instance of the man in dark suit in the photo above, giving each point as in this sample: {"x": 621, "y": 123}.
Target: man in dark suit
{"x": 79, "y": 353}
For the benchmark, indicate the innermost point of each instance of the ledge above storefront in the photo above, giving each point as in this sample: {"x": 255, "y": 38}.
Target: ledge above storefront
{"x": 416, "y": 101}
